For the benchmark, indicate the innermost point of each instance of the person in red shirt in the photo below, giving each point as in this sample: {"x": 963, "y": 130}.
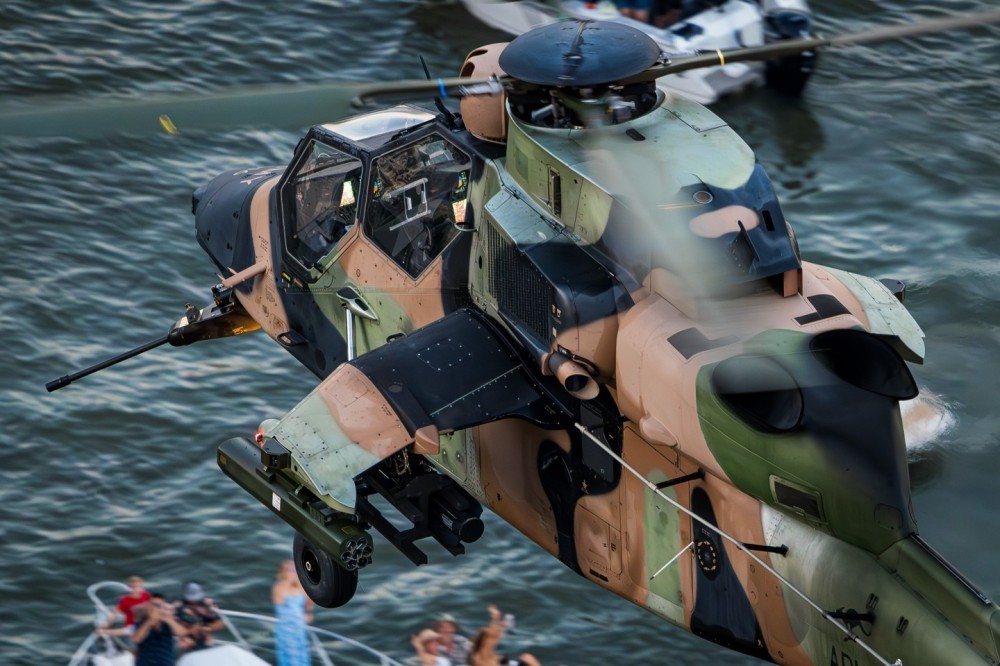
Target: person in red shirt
{"x": 137, "y": 596}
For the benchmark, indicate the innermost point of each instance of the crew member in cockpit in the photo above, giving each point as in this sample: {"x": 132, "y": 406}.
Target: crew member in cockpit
{"x": 330, "y": 207}
{"x": 412, "y": 213}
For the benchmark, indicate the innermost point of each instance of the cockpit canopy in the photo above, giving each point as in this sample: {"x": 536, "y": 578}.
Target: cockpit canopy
{"x": 321, "y": 202}
{"x": 395, "y": 171}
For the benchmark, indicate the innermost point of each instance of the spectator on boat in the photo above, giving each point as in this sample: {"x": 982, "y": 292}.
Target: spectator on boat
{"x": 485, "y": 642}
{"x": 667, "y": 12}
{"x": 199, "y": 616}
{"x": 428, "y": 646}
{"x": 635, "y": 9}
{"x": 293, "y": 610}
{"x": 137, "y": 596}
{"x": 453, "y": 644}
{"x": 154, "y": 633}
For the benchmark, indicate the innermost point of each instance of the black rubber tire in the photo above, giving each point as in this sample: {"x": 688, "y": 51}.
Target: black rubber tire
{"x": 327, "y": 583}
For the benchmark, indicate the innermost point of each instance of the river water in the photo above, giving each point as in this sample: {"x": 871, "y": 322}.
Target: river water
{"x": 887, "y": 166}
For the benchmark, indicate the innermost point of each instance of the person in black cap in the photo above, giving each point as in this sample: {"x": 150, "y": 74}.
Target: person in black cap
{"x": 199, "y": 616}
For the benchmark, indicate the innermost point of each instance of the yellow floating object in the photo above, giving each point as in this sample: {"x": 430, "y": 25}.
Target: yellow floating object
{"x": 168, "y": 125}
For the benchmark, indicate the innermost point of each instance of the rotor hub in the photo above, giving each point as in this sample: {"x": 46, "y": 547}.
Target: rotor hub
{"x": 576, "y": 54}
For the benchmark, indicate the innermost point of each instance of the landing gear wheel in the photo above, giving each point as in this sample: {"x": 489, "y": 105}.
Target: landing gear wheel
{"x": 328, "y": 584}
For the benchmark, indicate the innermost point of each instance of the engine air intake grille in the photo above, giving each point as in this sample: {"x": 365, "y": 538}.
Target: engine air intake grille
{"x": 521, "y": 291}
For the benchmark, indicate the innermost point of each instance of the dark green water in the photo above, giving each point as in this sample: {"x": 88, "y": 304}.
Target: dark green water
{"x": 887, "y": 166}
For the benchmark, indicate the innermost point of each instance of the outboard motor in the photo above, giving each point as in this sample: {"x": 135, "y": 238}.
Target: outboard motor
{"x": 788, "y": 19}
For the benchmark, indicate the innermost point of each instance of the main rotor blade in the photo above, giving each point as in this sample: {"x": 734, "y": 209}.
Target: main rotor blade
{"x": 894, "y": 32}
{"x": 460, "y": 87}
{"x": 279, "y": 106}
{"x": 301, "y": 105}
{"x": 451, "y": 87}
{"x": 795, "y": 46}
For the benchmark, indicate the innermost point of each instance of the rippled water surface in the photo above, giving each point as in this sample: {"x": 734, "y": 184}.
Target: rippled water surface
{"x": 887, "y": 166}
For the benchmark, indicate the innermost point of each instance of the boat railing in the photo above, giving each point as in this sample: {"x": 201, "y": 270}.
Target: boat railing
{"x": 251, "y": 631}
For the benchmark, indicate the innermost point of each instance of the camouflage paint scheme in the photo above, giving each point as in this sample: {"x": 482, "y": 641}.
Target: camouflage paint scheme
{"x": 821, "y": 485}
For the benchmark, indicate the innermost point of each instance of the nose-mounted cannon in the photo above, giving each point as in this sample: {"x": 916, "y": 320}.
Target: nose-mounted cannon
{"x": 224, "y": 318}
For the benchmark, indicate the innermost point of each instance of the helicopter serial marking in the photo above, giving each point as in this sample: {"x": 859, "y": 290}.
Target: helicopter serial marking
{"x": 844, "y": 660}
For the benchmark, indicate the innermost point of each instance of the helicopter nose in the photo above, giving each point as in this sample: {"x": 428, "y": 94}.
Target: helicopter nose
{"x": 221, "y": 210}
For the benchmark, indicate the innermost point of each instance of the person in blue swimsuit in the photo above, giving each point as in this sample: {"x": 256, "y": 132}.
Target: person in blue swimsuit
{"x": 293, "y": 610}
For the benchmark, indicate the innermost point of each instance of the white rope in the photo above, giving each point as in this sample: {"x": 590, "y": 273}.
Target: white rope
{"x": 672, "y": 560}
{"x": 740, "y": 546}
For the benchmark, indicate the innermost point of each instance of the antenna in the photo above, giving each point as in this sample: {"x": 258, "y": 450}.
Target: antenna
{"x": 449, "y": 117}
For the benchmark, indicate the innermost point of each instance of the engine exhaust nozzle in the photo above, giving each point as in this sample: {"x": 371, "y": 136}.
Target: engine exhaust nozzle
{"x": 573, "y": 376}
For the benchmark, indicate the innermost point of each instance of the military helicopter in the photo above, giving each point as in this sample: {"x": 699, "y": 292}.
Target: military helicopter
{"x": 646, "y": 380}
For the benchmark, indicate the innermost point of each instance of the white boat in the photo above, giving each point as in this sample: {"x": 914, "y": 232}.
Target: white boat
{"x": 706, "y": 26}
{"x": 247, "y": 640}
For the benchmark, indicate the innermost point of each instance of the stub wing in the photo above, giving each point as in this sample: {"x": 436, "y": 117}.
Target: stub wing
{"x": 455, "y": 373}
